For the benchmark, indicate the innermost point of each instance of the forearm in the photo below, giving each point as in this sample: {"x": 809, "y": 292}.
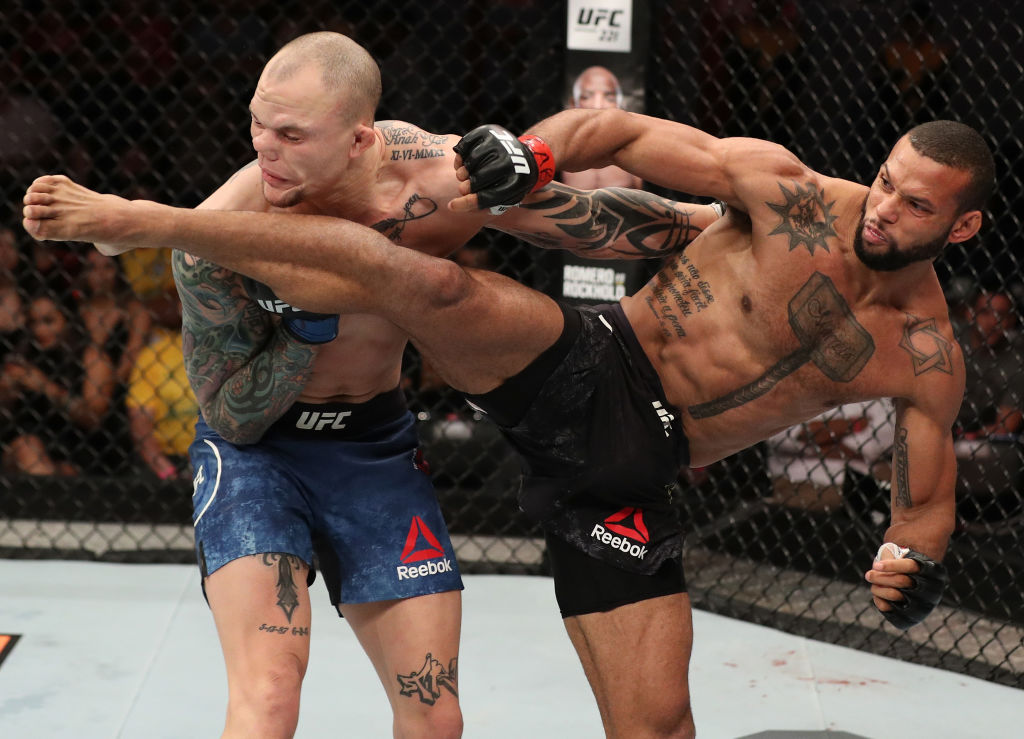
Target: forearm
{"x": 610, "y": 223}
{"x": 926, "y": 530}
{"x": 240, "y": 404}
{"x": 924, "y": 506}
{"x": 584, "y": 139}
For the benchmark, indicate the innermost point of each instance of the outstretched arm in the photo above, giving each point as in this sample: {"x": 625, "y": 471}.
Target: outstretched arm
{"x": 611, "y": 223}
{"x": 666, "y": 153}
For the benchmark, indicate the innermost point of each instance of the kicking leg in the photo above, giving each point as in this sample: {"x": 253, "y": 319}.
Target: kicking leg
{"x": 477, "y": 327}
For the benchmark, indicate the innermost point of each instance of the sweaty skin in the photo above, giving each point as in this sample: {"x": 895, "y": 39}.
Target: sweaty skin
{"x": 246, "y": 373}
{"x": 773, "y": 315}
{"x": 770, "y": 316}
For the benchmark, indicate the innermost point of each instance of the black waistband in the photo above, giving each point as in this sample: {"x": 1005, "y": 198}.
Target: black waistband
{"x": 341, "y": 420}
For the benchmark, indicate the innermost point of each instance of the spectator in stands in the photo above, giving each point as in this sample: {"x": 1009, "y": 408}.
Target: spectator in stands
{"x": 161, "y": 406}
{"x": 10, "y": 257}
{"x": 808, "y": 462}
{"x": 12, "y": 337}
{"x": 149, "y": 276}
{"x": 114, "y": 318}
{"x": 598, "y": 87}
{"x": 993, "y": 353}
{"x": 988, "y": 450}
{"x": 64, "y": 386}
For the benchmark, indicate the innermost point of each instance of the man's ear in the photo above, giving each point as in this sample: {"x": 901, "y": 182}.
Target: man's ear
{"x": 965, "y": 227}
{"x": 362, "y": 140}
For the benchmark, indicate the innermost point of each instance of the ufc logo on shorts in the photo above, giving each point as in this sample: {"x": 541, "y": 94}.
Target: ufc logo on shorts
{"x": 666, "y": 417}
{"x": 320, "y": 420}
{"x": 511, "y": 144}
{"x": 275, "y": 306}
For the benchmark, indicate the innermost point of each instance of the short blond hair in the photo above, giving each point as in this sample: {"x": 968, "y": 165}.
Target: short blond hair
{"x": 346, "y": 69}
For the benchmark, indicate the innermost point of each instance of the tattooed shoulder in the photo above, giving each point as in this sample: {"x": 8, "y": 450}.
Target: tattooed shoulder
{"x": 406, "y": 142}
{"x": 805, "y": 216}
{"x": 928, "y": 348}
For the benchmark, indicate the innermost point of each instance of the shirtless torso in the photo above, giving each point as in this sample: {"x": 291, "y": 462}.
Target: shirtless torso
{"x": 757, "y": 327}
{"x": 400, "y": 189}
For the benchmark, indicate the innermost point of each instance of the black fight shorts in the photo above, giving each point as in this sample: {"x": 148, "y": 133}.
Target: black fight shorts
{"x": 601, "y": 446}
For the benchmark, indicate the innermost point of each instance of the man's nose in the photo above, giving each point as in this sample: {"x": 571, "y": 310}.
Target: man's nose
{"x": 888, "y": 208}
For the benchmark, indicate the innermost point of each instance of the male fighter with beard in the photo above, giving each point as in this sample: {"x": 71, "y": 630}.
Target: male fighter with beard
{"x": 810, "y": 293}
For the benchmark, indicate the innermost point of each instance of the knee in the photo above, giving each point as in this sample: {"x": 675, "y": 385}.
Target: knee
{"x": 673, "y": 718}
{"x": 449, "y": 284}
{"x": 443, "y": 719}
{"x": 269, "y": 696}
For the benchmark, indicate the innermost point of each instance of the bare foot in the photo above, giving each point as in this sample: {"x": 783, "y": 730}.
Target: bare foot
{"x": 57, "y": 209}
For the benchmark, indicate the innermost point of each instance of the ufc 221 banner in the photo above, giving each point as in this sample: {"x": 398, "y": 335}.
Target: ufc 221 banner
{"x": 606, "y": 43}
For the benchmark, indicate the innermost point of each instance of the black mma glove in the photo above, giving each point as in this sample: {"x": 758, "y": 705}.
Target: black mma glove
{"x": 307, "y": 327}
{"x": 503, "y": 169}
{"x": 922, "y": 596}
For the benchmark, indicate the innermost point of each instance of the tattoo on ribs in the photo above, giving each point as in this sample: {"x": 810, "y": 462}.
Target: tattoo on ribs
{"x": 829, "y": 335}
{"x": 650, "y": 224}
{"x": 416, "y": 207}
{"x": 901, "y": 469}
{"x": 287, "y": 591}
{"x": 426, "y": 683}
{"x": 928, "y": 349}
{"x": 806, "y": 218}
{"x": 679, "y": 292}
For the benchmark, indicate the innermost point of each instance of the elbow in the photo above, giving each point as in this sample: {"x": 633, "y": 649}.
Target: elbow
{"x": 228, "y": 428}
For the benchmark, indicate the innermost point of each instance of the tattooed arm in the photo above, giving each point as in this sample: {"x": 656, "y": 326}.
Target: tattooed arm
{"x": 923, "y": 463}
{"x": 611, "y": 223}
{"x": 244, "y": 371}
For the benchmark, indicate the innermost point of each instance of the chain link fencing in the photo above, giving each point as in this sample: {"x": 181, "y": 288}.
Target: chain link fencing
{"x": 149, "y": 99}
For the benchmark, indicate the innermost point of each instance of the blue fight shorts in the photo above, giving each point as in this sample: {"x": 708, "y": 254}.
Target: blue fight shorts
{"x": 342, "y": 486}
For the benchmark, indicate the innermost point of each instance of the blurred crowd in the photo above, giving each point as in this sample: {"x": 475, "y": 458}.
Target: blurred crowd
{"x": 147, "y": 99}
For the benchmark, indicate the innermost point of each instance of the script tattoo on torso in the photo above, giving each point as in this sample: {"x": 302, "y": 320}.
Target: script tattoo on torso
{"x": 680, "y": 292}
{"x": 806, "y": 218}
{"x": 829, "y": 335}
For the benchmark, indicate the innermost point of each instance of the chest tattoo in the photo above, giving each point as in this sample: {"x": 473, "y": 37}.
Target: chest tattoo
{"x": 829, "y": 336}
{"x": 415, "y": 208}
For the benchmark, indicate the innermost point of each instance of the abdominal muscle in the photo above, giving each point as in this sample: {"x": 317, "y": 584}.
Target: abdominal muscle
{"x": 364, "y": 361}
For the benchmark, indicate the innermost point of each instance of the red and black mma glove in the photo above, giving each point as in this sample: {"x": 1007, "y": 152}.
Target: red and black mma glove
{"x": 503, "y": 169}
{"x": 924, "y": 593}
{"x": 303, "y": 325}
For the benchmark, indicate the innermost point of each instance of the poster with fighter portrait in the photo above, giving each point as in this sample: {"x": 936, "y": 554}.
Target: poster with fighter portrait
{"x": 605, "y": 43}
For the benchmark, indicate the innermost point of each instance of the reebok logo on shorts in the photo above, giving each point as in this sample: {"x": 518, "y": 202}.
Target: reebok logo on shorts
{"x": 415, "y": 551}
{"x": 634, "y": 530}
